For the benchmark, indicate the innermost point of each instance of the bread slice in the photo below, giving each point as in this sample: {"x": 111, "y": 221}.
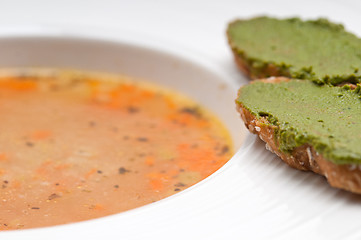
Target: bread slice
{"x": 317, "y": 50}
{"x": 309, "y": 126}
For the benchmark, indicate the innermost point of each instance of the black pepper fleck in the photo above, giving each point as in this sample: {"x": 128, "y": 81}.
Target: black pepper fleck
{"x": 29, "y": 144}
{"x": 142, "y": 139}
{"x": 122, "y": 170}
{"x": 133, "y": 109}
{"x": 92, "y": 124}
{"x": 53, "y": 196}
{"x": 180, "y": 184}
{"x": 194, "y": 111}
{"x": 224, "y": 150}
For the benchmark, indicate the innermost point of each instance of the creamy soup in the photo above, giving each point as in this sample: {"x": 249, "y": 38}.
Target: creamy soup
{"x": 76, "y": 146}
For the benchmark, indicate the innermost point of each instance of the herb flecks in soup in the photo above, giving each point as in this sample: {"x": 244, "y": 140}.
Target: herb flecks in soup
{"x": 77, "y": 146}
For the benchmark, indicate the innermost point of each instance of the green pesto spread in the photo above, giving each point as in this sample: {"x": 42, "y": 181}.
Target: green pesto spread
{"x": 318, "y": 50}
{"x": 328, "y": 118}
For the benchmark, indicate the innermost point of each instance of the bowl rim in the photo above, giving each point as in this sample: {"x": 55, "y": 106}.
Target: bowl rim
{"x": 119, "y": 36}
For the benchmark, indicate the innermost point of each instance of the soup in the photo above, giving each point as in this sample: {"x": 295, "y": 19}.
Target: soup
{"x": 76, "y": 146}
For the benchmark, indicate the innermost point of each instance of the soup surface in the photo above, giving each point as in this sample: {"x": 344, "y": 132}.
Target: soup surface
{"x": 76, "y": 146}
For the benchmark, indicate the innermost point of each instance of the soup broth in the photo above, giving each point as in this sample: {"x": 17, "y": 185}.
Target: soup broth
{"x": 76, "y": 146}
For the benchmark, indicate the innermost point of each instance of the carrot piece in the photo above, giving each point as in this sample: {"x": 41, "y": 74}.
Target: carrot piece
{"x": 202, "y": 160}
{"x": 202, "y": 123}
{"x": 140, "y": 96}
{"x": 149, "y": 161}
{"x": 16, "y": 184}
{"x": 90, "y": 173}
{"x": 43, "y": 169}
{"x": 41, "y": 135}
{"x": 97, "y": 206}
{"x": 94, "y": 89}
{"x": 62, "y": 166}
{"x": 18, "y": 85}
{"x": 157, "y": 180}
{"x": 156, "y": 184}
{"x": 119, "y": 97}
{"x": 170, "y": 103}
{"x": 3, "y": 157}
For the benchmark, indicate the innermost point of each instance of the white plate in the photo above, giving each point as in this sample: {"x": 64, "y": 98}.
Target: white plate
{"x": 254, "y": 195}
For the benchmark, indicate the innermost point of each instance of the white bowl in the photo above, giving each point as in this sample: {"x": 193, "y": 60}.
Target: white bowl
{"x": 171, "y": 67}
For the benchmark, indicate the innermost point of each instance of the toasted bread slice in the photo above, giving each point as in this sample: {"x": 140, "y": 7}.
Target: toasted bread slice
{"x": 317, "y": 50}
{"x": 309, "y": 126}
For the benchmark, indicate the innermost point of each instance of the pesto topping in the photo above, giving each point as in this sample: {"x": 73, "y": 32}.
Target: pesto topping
{"x": 318, "y": 50}
{"x": 326, "y": 117}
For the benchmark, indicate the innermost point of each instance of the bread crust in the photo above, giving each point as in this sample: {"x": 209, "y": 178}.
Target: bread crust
{"x": 305, "y": 157}
{"x": 246, "y": 68}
